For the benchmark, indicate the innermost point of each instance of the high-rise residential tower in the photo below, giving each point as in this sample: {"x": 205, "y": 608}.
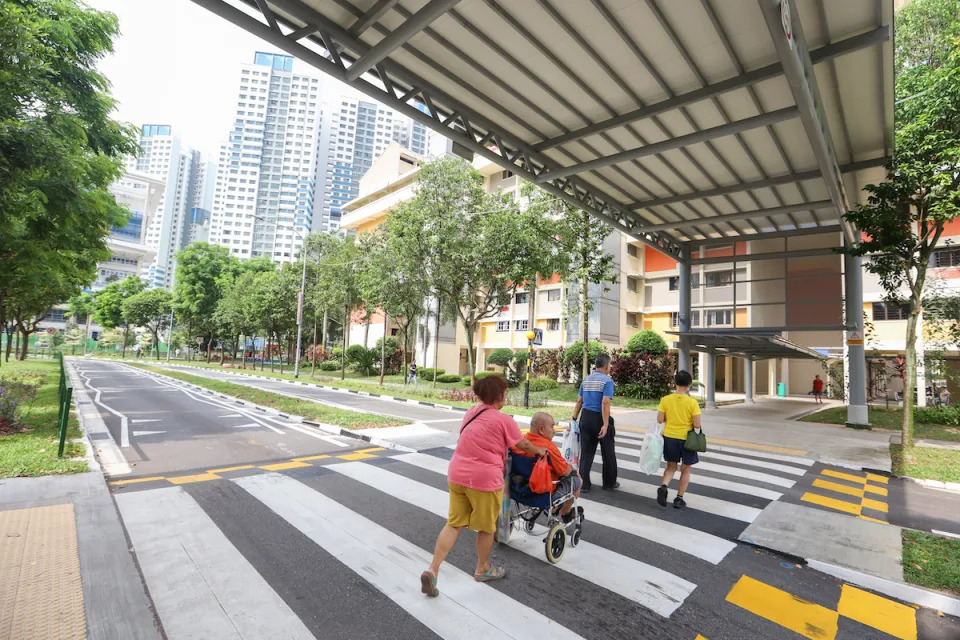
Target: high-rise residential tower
{"x": 267, "y": 171}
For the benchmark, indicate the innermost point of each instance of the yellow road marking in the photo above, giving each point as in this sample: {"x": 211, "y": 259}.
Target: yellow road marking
{"x": 225, "y": 469}
{"x": 872, "y": 477}
{"x": 888, "y": 616}
{"x": 200, "y": 477}
{"x": 371, "y": 449}
{"x": 843, "y": 476}
{"x": 136, "y": 480}
{"x": 284, "y": 465}
{"x": 310, "y": 458}
{"x": 356, "y": 456}
{"x": 699, "y": 637}
{"x": 863, "y": 517}
{"x": 736, "y": 443}
{"x": 806, "y": 618}
{"x": 839, "y": 488}
{"x": 880, "y": 491}
{"x": 832, "y": 503}
{"x": 876, "y": 505}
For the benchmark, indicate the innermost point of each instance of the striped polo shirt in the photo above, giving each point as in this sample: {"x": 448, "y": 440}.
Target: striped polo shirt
{"x": 594, "y": 389}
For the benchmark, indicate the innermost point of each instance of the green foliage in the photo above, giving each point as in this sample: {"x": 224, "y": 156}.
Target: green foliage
{"x": 355, "y": 352}
{"x": 573, "y": 355}
{"x": 480, "y": 375}
{"x": 543, "y": 384}
{"x": 330, "y": 365}
{"x": 149, "y": 309}
{"x": 647, "y": 341}
{"x": 336, "y": 353}
{"x": 392, "y": 345}
{"x": 501, "y": 357}
{"x": 204, "y": 273}
{"x": 938, "y": 415}
{"x": 80, "y": 306}
{"x": 365, "y": 361}
{"x": 426, "y": 373}
{"x": 449, "y": 377}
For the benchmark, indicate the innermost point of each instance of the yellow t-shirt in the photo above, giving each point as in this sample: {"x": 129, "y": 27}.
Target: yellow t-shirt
{"x": 679, "y": 409}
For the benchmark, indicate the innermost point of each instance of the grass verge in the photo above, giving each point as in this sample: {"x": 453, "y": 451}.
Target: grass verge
{"x": 890, "y": 420}
{"x": 931, "y": 561}
{"x": 33, "y": 451}
{"x": 393, "y": 385}
{"x": 305, "y": 408}
{"x": 927, "y": 463}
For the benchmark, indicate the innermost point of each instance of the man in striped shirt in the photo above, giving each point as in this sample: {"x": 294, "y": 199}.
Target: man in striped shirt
{"x": 596, "y": 424}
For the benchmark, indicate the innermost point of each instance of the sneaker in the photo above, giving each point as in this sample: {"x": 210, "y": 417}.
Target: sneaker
{"x": 662, "y": 495}
{"x": 679, "y": 503}
{"x": 616, "y": 485}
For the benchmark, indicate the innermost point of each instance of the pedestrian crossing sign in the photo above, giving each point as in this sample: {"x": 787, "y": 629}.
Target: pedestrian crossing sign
{"x": 854, "y": 337}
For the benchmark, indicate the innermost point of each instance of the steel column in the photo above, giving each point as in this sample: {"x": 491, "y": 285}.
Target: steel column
{"x": 856, "y": 359}
{"x": 748, "y": 365}
{"x": 711, "y": 376}
{"x": 683, "y": 321}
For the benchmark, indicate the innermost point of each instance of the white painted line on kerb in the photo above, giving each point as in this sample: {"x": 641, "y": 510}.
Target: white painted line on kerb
{"x": 201, "y": 585}
{"x": 392, "y": 565}
{"x": 946, "y": 534}
{"x": 656, "y": 589}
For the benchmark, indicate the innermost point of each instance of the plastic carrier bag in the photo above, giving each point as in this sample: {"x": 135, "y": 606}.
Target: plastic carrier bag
{"x": 540, "y": 479}
{"x": 570, "y": 447}
{"x": 651, "y": 452}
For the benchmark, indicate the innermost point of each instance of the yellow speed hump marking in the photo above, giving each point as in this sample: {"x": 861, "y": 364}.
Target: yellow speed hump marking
{"x": 806, "y": 618}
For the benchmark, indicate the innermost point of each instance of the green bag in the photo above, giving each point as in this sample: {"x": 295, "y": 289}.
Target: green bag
{"x": 696, "y": 441}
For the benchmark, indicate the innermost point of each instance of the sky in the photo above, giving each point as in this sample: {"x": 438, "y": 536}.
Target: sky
{"x": 176, "y": 63}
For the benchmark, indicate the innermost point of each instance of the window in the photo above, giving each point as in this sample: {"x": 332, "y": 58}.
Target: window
{"x": 522, "y": 298}
{"x": 719, "y": 278}
{"x": 553, "y": 324}
{"x": 503, "y": 325}
{"x": 553, "y": 295}
{"x": 719, "y": 317}
{"x": 694, "y": 282}
{"x": 632, "y": 320}
{"x": 633, "y": 251}
{"x": 945, "y": 258}
{"x": 885, "y": 311}
{"x": 521, "y": 325}
{"x": 632, "y": 284}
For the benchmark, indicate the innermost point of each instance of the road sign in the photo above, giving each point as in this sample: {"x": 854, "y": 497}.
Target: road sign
{"x": 51, "y": 331}
{"x": 199, "y": 340}
{"x": 854, "y": 337}
{"x": 537, "y": 337}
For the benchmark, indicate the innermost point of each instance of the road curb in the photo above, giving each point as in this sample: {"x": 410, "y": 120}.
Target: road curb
{"x": 952, "y": 487}
{"x": 368, "y": 394}
{"x": 330, "y": 429}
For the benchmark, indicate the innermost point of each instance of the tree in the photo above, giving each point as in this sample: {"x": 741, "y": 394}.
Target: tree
{"x": 149, "y": 309}
{"x": 236, "y": 313}
{"x": 275, "y": 304}
{"x": 337, "y": 285}
{"x": 202, "y": 272}
{"x": 60, "y": 152}
{"x": 905, "y": 217}
{"x": 81, "y": 307}
{"x": 109, "y": 308}
{"x": 647, "y": 341}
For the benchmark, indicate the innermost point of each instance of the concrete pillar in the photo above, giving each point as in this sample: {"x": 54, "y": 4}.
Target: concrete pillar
{"x": 683, "y": 321}
{"x": 711, "y": 378}
{"x": 728, "y": 374}
{"x": 856, "y": 359}
{"x": 921, "y": 368}
{"x": 702, "y": 366}
{"x": 785, "y": 375}
{"x": 772, "y": 377}
{"x": 748, "y": 366}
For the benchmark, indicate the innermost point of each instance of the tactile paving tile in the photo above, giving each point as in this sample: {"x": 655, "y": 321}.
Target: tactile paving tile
{"x": 41, "y": 594}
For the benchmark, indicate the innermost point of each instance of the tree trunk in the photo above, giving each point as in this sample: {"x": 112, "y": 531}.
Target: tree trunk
{"x": 584, "y": 328}
{"x": 343, "y": 353}
{"x": 124, "y": 340}
{"x": 313, "y": 359}
{"x": 86, "y": 333}
{"x": 323, "y": 340}
{"x": 403, "y": 353}
{"x": 383, "y": 347}
{"x": 26, "y": 344}
{"x": 470, "y": 368}
{"x": 280, "y": 353}
{"x": 210, "y": 347}
{"x": 156, "y": 341}
{"x": 16, "y": 353}
{"x": 366, "y": 332}
{"x": 436, "y": 344}
{"x": 243, "y": 357}
{"x": 910, "y": 384}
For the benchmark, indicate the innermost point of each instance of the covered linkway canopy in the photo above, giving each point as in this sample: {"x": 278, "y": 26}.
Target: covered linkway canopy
{"x": 675, "y": 121}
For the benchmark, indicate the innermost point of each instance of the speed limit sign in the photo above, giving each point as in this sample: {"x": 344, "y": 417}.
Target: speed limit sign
{"x": 51, "y": 331}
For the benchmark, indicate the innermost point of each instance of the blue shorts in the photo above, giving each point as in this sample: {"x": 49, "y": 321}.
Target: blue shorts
{"x": 567, "y": 485}
{"x": 673, "y": 451}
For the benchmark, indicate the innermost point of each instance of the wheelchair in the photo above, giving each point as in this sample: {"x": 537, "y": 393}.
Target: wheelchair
{"x": 527, "y": 507}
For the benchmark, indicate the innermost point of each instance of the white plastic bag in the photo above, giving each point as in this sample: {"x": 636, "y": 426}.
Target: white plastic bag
{"x": 570, "y": 447}
{"x": 651, "y": 451}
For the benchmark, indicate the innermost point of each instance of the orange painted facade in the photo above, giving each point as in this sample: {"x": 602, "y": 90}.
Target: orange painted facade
{"x": 656, "y": 261}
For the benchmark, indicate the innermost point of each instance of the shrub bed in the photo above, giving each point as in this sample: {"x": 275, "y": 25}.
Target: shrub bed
{"x": 448, "y": 377}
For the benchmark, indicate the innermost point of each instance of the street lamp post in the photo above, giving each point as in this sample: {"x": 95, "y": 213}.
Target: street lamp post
{"x": 526, "y": 392}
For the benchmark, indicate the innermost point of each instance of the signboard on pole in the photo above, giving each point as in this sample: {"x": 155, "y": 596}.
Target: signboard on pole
{"x": 854, "y": 337}
{"x": 51, "y": 331}
{"x": 537, "y": 337}
{"x": 199, "y": 341}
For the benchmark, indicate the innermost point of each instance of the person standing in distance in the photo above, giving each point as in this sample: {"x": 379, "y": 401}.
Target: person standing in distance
{"x": 681, "y": 413}
{"x": 413, "y": 374}
{"x": 596, "y": 424}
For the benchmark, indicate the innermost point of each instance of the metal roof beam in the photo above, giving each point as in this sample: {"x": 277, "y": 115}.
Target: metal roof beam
{"x": 372, "y": 16}
{"x": 832, "y": 228}
{"x": 744, "y": 215}
{"x": 827, "y": 52}
{"x": 812, "y": 174}
{"x": 770, "y": 255}
{"x": 754, "y": 122}
{"x": 410, "y": 27}
{"x": 783, "y": 23}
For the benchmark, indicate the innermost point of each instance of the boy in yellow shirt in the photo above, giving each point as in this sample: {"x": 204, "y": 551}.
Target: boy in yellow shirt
{"x": 681, "y": 413}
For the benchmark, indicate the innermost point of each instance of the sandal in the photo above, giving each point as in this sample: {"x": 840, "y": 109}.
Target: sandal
{"x": 428, "y": 584}
{"x": 493, "y": 573}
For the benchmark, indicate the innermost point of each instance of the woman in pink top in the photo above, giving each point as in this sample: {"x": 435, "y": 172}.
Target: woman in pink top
{"x": 475, "y": 480}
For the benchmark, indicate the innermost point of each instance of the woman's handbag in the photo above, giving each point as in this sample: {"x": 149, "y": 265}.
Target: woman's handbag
{"x": 540, "y": 480}
{"x": 696, "y": 441}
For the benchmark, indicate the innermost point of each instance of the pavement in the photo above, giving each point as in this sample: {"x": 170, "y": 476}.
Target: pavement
{"x": 292, "y": 535}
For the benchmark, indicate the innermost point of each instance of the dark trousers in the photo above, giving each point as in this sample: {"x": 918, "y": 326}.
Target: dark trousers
{"x": 590, "y": 424}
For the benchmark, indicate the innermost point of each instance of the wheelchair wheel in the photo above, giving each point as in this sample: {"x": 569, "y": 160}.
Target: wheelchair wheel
{"x": 575, "y": 537}
{"x": 556, "y": 543}
{"x": 528, "y": 525}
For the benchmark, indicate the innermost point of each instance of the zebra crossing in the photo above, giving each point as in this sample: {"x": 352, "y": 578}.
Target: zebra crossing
{"x": 369, "y": 524}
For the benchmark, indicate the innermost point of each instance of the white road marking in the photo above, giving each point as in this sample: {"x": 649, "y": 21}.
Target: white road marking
{"x": 945, "y": 533}
{"x": 146, "y": 433}
{"x": 691, "y": 541}
{"x": 201, "y": 585}
{"x": 651, "y": 587}
{"x": 247, "y": 426}
{"x": 316, "y": 434}
{"x": 464, "y": 608}
{"x": 231, "y": 415}
{"x": 707, "y": 481}
{"x": 145, "y": 420}
{"x": 124, "y": 427}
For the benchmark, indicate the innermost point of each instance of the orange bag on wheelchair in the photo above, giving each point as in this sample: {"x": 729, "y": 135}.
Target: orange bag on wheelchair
{"x": 540, "y": 480}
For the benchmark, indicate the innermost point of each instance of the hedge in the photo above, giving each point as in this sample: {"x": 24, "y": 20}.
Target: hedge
{"x": 426, "y": 373}
{"x": 543, "y": 384}
{"x": 330, "y": 365}
{"x": 646, "y": 341}
{"x": 448, "y": 377}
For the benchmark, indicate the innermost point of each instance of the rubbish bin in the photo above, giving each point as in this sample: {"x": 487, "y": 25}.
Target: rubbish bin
{"x": 782, "y": 389}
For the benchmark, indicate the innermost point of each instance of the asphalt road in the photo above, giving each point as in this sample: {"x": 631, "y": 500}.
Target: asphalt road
{"x": 163, "y": 427}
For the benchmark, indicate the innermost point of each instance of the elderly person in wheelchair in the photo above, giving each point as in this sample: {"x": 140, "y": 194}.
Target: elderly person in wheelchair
{"x": 567, "y": 479}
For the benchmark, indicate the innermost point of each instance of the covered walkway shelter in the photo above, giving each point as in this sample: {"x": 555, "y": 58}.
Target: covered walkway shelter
{"x": 685, "y": 124}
